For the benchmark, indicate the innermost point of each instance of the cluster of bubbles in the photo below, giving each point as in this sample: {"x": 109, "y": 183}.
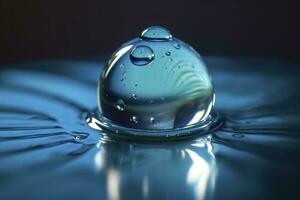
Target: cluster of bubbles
{"x": 155, "y": 82}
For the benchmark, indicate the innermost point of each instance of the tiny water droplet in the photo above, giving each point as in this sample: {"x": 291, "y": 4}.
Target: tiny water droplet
{"x": 177, "y": 45}
{"x": 141, "y": 55}
{"x": 156, "y": 33}
{"x": 79, "y": 135}
{"x": 168, "y": 53}
{"x": 134, "y": 96}
{"x": 120, "y": 105}
{"x": 152, "y": 120}
{"x": 134, "y": 119}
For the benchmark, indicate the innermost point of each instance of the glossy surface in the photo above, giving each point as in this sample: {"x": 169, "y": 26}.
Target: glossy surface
{"x": 47, "y": 151}
{"x": 162, "y": 83}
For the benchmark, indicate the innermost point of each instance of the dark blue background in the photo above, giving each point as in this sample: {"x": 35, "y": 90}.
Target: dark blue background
{"x": 49, "y": 29}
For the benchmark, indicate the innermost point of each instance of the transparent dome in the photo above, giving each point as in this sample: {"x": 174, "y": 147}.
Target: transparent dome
{"x": 155, "y": 82}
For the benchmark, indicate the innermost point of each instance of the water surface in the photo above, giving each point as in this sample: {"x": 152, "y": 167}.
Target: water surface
{"x": 47, "y": 151}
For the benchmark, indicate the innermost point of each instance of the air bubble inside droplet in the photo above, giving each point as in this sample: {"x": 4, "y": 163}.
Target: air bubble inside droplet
{"x": 168, "y": 53}
{"x": 134, "y": 96}
{"x": 152, "y": 120}
{"x": 168, "y": 91}
{"x": 134, "y": 119}
{"x": 120, "y": 105}
{"x": 177, "y": 45}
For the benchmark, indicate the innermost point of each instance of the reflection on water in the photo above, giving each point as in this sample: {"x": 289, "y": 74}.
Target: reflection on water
{"x": 47, "y": 150}
{"x": 153, "y": 170}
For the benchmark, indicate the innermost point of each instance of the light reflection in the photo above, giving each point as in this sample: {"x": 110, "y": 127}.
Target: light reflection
{"x": 113, "y": 183}
{"x": 116, "y": 57}
{"x": 93, "y": 122}
{"x": 209, "y": 107}
{"x": 149, "y": 169}
{"x": 201, "y": 172}
{"x": 145, "y": 187}
{"x": 197, "y": 117}
{"x": 99, "y": 160}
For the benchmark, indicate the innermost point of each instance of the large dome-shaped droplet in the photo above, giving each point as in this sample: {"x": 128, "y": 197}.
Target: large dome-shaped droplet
{"x": 156, "y": 33}
{"x": 141, "y": 55}
{"x": 164, "y": 84}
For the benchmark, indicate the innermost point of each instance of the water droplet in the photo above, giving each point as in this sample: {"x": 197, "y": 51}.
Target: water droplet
{"x": 159, "y": 91}
{"x": 134, "y": 96}
{"x": 152, "y": 120}
{"x": 168, "y": 53}
{"x": 177, "y": 45}
{"x": 134, "y": 119}
{"x": 79, "y": 135}
{"x": 120, "y": 105}
{"x": 156, "y": 33}
{"x": 141, "y": 55}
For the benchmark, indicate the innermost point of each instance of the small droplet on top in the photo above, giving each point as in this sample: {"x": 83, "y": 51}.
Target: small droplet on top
{"x": 156, "y": 33}
{"x": 141, "y": 55}
{"x": 120, "y": 105}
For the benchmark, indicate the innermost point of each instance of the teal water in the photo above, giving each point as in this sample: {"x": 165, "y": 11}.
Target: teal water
{"x": 48, "y": 151}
